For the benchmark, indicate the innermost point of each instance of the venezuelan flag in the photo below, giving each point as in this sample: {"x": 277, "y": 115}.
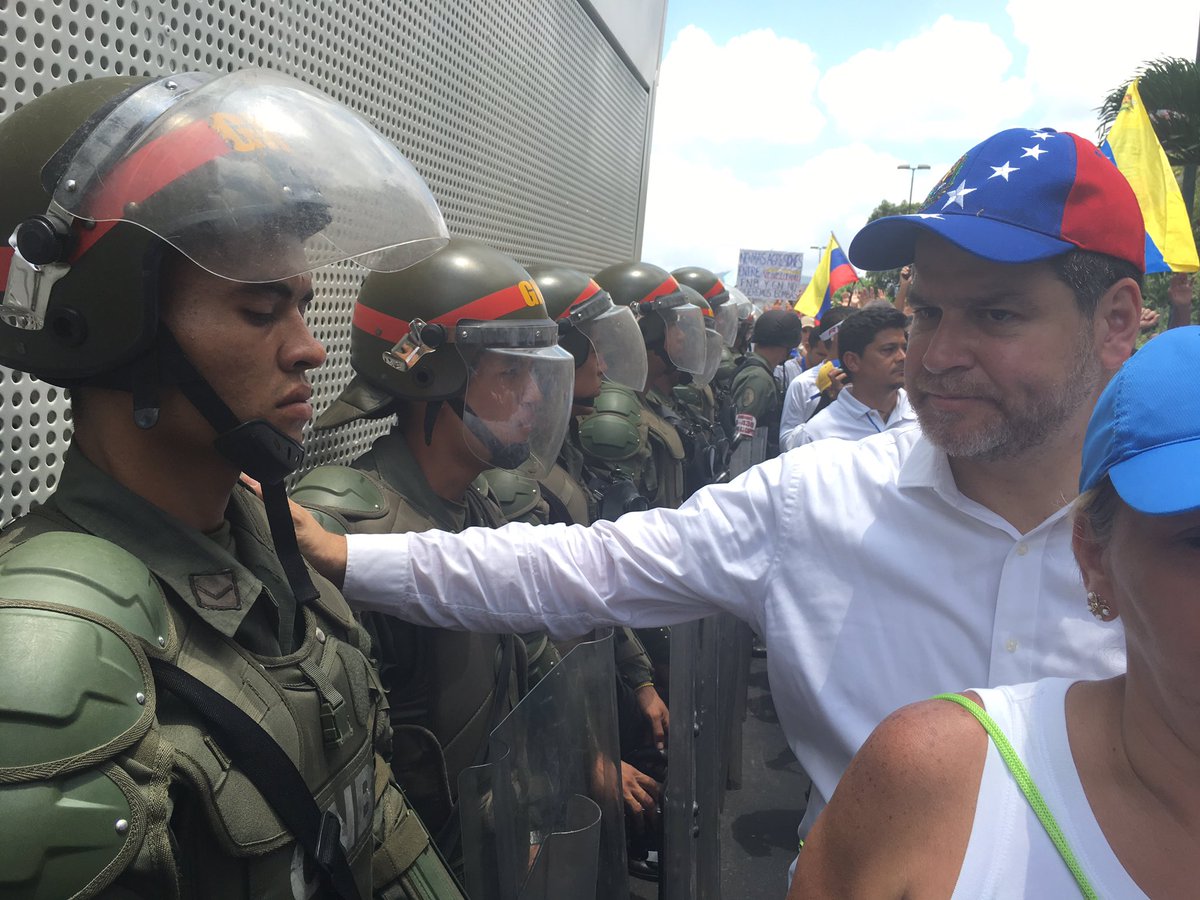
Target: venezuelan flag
{"x": 833, "y": 272}
{"x": 1133, "y": 146}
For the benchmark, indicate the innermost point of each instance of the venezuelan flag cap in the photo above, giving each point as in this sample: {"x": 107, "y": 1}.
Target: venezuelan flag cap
{"x": 1018, "y": 197}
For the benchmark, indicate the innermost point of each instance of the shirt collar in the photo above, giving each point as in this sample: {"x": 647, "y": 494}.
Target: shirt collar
{"x": 197, "y": 568}
{"x": 927, "y": 466}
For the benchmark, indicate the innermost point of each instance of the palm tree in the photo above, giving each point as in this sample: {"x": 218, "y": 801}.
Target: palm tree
{"x": 1170, "y": 88}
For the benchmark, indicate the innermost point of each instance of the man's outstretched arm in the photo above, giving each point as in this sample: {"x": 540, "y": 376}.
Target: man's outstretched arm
{"x": 716, "y": 553}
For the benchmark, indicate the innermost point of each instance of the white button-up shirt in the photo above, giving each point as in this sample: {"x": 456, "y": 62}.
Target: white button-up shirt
{"x": 850, "y": 419}
{"x": 873, "y": 580}
{"x": 799, "y": 402}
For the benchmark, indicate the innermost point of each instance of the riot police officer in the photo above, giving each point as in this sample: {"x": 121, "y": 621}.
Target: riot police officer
{"x": 756, "y": 398}
{"x": 460, "y": 348}
{"x": 190, "y": 712}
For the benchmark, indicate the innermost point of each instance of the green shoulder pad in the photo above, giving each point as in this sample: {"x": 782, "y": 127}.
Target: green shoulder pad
{"x": 76, "y": 689}
{"x": 610, "y": 437}
{"x": 88, "y": 573}
{"x": 618, "y": 400}
{"x": 341, "y": 489}
{"x": 515, "y": 492}
{"x": 65, "y": 834}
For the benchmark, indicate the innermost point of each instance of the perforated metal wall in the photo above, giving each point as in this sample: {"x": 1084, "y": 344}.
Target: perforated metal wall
{"x": 527, "y": 125}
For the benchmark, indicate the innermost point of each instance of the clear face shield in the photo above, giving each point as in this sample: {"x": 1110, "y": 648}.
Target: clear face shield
{"x": 518, "y": 397}
{"x": 253, "y": 175}
{"x": 615, "y": 338}
{"x": 726, "y": 316}
{"x": 713, "y": 347}
{"x": 685, "y": 341}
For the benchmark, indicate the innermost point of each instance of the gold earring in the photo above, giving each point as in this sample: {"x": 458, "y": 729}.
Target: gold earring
{"x": 1099, "y": 608}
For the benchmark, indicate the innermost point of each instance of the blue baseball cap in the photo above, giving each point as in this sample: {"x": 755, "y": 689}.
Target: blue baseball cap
{"x": 1144, "y": 433}
{"x": 1020, "y": 196}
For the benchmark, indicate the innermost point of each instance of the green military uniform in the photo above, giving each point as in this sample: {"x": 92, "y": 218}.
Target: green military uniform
{"x": 754, "y": 392}
{"x": 442, "y": 685}
{"x": 88, "y": 740}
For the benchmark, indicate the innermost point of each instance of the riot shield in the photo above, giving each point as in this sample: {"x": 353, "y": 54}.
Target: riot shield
{"x": 543, "y": 818}
{"x": 691, "y": 862}
{"x": 747, "y": 453}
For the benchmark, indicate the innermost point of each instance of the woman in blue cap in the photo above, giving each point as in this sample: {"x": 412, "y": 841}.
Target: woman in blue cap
{"x": 1069, "y": 787}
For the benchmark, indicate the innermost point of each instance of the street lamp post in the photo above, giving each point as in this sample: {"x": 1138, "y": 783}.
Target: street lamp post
{"x": 913, "y": 177}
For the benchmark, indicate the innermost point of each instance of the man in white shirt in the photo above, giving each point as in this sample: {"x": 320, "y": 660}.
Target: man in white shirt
{"x": 872, "y": 345}
{"x": 943, "y": 555}
{"x": 791, "y": 367}
{"x": 802, "y": 397}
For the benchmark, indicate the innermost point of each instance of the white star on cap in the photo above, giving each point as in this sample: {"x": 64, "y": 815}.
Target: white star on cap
{"x": 1035, "y": 151}
{"x": 956, "y": 195}
{"x": 1002, "y": 171}
{"x": 1041, "y": 135}
{"x": 929, "y": 216}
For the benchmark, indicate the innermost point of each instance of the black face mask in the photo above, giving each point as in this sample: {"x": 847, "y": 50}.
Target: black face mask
{"x": 500, "y": 454}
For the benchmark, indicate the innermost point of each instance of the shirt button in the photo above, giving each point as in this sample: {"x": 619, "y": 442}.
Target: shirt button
{"x": 320, "y": 636}
{"x": 1022, "y": 549}
{"x": 1011, "y": 646}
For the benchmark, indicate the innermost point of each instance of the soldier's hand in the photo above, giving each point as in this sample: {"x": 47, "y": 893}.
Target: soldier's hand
{"x": 656, "y": 714}
{"x": 641, "y": 794}
{"x": 325, "y": 552}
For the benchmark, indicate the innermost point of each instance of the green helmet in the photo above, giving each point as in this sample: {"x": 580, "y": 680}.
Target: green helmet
{"x": 712, "y": 339}
{"x": 670, "y": 326}
{"x": 588, "y": 320}
{"x": 712, "y": 288}
{"x": 235, "y": 172}
{"x": 452, "y": 328}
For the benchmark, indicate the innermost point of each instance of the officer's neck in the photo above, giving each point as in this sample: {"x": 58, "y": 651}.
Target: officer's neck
{"x": 173, "y": 465}
{"x": 773, "y": 355}
{"x": 445, "y": 460}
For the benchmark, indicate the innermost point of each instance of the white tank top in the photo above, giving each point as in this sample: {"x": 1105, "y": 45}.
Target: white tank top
{"x": 1009, "y": 854}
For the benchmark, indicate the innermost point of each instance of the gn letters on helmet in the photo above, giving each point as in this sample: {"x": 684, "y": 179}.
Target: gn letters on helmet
{"x": 467, "y": 326}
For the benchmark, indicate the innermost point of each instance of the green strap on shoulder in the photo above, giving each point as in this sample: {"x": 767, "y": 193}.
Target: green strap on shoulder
{"x": 1028, "y": 788}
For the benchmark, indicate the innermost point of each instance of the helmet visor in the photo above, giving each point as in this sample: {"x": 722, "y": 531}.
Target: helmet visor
{"x": 685, "y": 341}
{"x": 518, "y": 402}
{"x": 727, "y": 321}
{"x": 253, "y": 176}
{"x": 713, "y": 347}
{"x": 617, "y": 341}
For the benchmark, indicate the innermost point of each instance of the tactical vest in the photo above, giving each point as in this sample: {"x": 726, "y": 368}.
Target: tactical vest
{"x": 441, "y": 684}
{"x": 662, "y": 479}
{"x": 115, "y": 783}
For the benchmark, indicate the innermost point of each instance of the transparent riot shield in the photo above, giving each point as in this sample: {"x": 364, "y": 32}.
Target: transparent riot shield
{"x": 748, "y": 452}
{"x": 691, "y": 863}
{"x": 543, "y": 817}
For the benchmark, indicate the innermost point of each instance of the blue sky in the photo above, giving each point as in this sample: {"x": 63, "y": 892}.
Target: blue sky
{"x": 778, "y": 122}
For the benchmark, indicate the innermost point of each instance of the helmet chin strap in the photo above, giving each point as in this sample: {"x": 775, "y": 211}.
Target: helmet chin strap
{"x": 258, "y": 448}
{"x": 500, "y": 454}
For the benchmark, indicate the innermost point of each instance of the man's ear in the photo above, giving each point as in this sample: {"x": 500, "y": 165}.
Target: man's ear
{"x": 851, "y": 361}
{"x": 1118, "y": 316}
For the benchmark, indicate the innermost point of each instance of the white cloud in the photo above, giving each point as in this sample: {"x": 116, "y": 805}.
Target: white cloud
{"x": 952, "y": 79}
{"x": 770, "y": 81}
{"x": 834, "y": 190}
{"x": 1077, "y": 54}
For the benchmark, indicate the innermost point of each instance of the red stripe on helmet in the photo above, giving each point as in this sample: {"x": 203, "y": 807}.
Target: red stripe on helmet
{"x": 146, "y": 172}
{"x": 590, "y": 291}
{"x": 714, "y": 290}
{"x": 670, "y": 286}
{"x": 508, "y": 300}
{"x": 6, "y": 257}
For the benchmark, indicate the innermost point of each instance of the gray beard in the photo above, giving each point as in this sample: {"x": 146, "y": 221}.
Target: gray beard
{"x": 1015, "y": 431}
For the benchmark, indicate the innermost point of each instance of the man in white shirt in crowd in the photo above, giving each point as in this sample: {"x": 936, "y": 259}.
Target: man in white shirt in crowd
{"x": 872, "y": 345}
{"x": 794, "y": 365}
{"x": 943, "y": 555}
{"x": 803, "y": 397}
